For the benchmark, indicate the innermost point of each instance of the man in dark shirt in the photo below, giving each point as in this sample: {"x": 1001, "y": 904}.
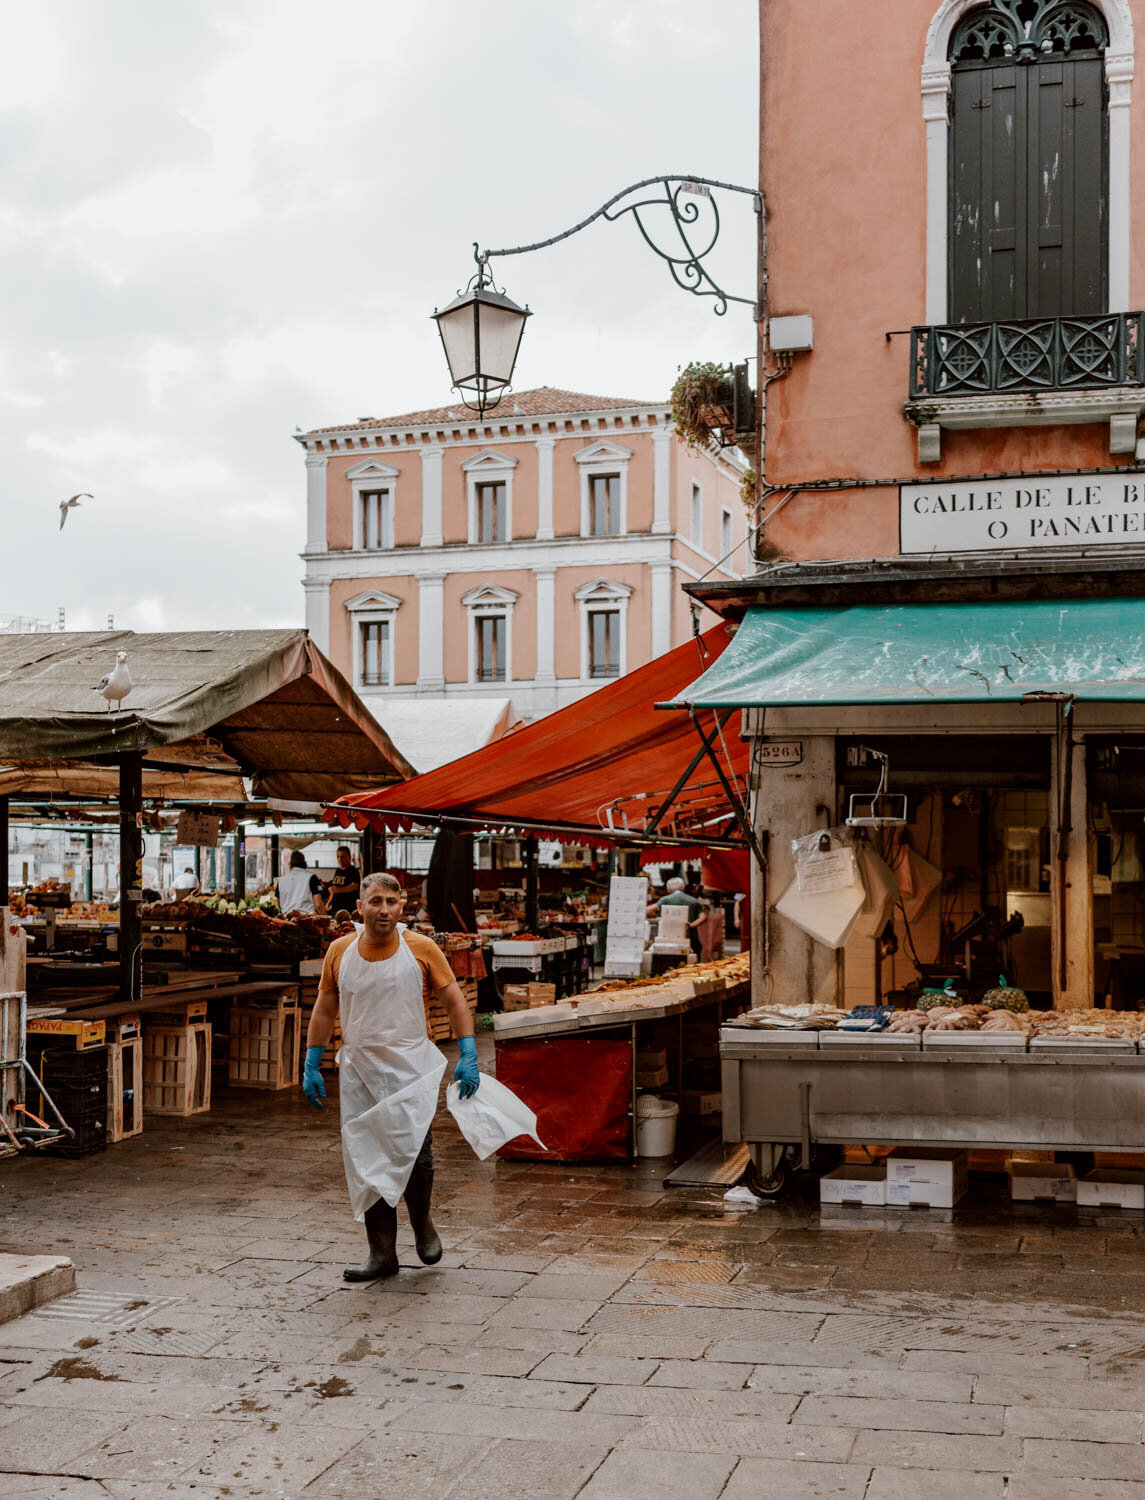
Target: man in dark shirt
{"x": 344, "y": 885}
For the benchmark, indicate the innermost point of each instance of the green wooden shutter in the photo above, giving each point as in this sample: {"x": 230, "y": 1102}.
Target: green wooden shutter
{"x": 985, "y": 222}
{"x": 1065, "y": 189}
{"x": 1028, "y": 214}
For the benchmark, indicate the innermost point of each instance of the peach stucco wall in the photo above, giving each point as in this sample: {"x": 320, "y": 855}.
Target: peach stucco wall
{"x": 405, "y": 624}
{"x": 844, "y": 176}
{"x": 455, "y": 491}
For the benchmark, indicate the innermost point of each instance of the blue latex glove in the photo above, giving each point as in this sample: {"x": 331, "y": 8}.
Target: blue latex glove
{"x": 465, "y": 1074}
{"x": 313, "y": 1084}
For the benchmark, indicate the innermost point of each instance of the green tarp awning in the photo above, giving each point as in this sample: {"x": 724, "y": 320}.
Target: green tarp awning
{"x": 925, "y": 653}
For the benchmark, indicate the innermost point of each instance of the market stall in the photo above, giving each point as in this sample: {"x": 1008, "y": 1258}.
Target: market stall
{"x": 611, "y": 773}
{"x": 213, "y": 720}
{"x": 961, "y": 759}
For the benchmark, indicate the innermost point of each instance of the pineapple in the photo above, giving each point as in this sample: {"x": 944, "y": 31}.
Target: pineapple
{"x": 1006, "y": 997}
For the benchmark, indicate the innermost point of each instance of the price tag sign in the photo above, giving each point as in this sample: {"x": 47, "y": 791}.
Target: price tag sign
{"x": 198, "y": 828}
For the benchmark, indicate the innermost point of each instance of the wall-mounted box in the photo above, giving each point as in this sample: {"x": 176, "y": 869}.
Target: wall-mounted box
{"x": 792, "y": 335}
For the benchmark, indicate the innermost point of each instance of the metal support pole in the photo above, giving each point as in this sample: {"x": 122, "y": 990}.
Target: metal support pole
{"x": 532, "y": 890}
{"x": 240, "y": 861}
{"x": 3, "y": 851}
{"x": 274, "y": 870}
{"x": 634, "y": 1151}
{"x": 130, "y": 877}
{"x": 88, "y": 856}
{"x": 197, "y": 866}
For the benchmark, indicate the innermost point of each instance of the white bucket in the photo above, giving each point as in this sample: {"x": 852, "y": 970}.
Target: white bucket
{"x": 655, "y": 1126}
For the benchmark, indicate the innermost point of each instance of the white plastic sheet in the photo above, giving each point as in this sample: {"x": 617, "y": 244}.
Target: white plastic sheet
{"x": 492, "y": 1117}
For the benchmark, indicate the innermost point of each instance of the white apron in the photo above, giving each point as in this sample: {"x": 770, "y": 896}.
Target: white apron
{"x": 389, "y": 1074}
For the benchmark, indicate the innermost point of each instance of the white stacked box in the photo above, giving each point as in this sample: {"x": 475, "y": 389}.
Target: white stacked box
{"x": 1041, "y": 1181}
{"x": 931, "y": 1176}
{"x": 855, "y": 1184}
{"x": 1112, "y": 1187}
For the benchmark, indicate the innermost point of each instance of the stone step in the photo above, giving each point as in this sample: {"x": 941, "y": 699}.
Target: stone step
{"x": 28, "y": 1281}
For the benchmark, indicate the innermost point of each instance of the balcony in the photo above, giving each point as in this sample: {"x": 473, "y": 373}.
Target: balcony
{"x": 1034, "y": 372}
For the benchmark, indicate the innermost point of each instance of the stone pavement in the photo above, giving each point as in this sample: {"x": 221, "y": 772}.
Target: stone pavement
{"x": 587, "y": 1334}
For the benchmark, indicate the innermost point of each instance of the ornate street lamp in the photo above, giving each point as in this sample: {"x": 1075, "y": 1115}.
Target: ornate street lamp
{"x": 481, "y": 333}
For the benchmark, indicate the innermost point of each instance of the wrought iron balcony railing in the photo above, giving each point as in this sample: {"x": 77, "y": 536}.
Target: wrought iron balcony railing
{"x": 1035, "y": 354}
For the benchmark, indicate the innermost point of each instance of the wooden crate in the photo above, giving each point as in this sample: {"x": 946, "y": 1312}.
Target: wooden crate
{"x": 177, "y": 1069}
{"x": 124, "y": 1089}
{"x": 265, "y": 1044}
{"x": 437, "y": 1023}
{"x": 328, "y": 1063}
{"x": 84, "y": 1034}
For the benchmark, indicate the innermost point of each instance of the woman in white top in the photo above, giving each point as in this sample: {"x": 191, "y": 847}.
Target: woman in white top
{"x": 296, "y": 889}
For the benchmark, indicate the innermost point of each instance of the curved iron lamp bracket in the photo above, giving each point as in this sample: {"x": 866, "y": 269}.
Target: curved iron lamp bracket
{"x": 686, "y": 251}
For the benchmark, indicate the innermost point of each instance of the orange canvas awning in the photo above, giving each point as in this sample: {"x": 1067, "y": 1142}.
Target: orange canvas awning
{"x": 597, "y": 770}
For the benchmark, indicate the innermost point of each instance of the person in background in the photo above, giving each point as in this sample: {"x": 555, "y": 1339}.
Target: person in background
{"x": 345, "y": 885}
{"x": 389, "y": 1071}
{"x": 298, "y": 887}
{"x": 678, "y": 896}
{"x": 185, "y": 884}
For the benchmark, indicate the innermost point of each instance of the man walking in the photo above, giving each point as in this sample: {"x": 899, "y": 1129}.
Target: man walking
{"x": 389, "y": 1070}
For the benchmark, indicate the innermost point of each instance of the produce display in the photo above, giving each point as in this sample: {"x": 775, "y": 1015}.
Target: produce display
{"x": 1006, "y": 1013}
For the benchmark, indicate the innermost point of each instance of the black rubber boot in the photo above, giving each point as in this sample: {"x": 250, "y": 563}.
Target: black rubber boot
{"x": 419, "y": 1192}
{"x": 382, "y": 1234}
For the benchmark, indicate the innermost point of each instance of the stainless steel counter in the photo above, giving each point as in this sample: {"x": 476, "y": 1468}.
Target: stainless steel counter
{"x": 781, "y": 1089}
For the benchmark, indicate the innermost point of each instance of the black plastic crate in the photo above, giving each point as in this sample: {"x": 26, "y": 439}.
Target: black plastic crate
{"x": 67, "y": 1063}
{"x": 90, "y": 1136}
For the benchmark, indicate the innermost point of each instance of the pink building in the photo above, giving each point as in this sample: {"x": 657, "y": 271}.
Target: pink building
{"x": 467, "y": 572}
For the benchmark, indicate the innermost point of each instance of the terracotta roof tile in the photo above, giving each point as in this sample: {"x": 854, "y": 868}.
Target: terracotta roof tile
{"x": 545, "y": 401}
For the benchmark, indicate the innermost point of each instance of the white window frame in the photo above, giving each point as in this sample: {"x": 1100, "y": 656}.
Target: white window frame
{"x": 489, "y": 467}
{"x": 372, "y": 608}
{"x": 385, "y": 540}
{"x": 936, "y": 74}
{"x": 372, "y": 475}
{"x": 489, "y": 599}
{"x": 696, "y": 515}
{"x": 602, "y": 458}
{"x": 727, "y": 535}
{"x": 593, "y": 598}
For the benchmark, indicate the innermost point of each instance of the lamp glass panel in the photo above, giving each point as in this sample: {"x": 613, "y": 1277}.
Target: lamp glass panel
{"x": 457, "y": 334}
{"x": 500, "y": 336}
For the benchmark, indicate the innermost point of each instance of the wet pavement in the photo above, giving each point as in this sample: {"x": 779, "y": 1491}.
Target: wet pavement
{"x": 587, "y": 1334}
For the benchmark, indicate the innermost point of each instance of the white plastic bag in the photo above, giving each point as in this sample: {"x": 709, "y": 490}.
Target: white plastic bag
{"x": 492, "y": 1117}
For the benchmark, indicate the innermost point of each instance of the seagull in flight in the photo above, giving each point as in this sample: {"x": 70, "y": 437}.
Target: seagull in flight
{"x": 66, "y": 505}
{"x": 117, "y": 684}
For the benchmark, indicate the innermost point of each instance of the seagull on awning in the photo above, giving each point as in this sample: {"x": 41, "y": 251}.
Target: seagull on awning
{"x": 66, "y": 505}
{"x": 117, "y": 684}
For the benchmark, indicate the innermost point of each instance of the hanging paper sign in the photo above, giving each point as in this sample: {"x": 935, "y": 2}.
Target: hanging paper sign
{"x": 823, "y": 871}
{"x": 200, "y": 829}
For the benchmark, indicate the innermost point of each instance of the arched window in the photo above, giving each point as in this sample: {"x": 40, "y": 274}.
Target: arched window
{"x": 1029, "y": 196}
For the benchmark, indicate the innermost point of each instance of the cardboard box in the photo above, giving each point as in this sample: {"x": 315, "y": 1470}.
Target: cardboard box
{"x": 855, "y": 1184}
{"x": 654, "y": 1078}
{"x": 932, "y": 1176}
{"x": 1040, "y": 1182}
{"x": 648, "y": 1062}
{"x": 1112, "y": 1187}
{"x": 702, "y": 1102}
{"x": 541, "y": 994}
{"x": 515, "y": 997}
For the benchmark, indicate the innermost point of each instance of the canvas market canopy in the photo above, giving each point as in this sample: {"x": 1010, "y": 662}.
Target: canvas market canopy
{"x": 598, "y": 770}
{"x": 207, "y": 708}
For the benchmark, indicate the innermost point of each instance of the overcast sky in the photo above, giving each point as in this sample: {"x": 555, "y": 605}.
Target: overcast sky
{"x": 223, "y": 220}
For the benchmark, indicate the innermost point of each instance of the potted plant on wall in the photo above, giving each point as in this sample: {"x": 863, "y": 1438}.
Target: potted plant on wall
{"x": 702, "y": 400}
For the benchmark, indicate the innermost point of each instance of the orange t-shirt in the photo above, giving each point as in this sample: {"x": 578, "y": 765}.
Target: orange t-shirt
{"x": 434, "y": 966}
